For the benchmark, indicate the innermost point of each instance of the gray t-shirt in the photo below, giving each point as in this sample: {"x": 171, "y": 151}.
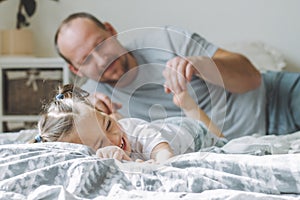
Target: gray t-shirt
{"x": 235, "y": 114}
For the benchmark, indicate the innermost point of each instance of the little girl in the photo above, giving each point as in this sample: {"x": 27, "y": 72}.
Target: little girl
{"x": 72, "y": 118}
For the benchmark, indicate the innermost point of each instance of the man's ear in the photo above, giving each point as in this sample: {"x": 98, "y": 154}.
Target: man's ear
{"x": 110, "y": 28}
{"x": 75, "y": 70}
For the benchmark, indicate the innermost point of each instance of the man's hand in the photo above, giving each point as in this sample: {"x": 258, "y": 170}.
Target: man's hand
{"x": 112, "y": 152}
{"x": 229, "y": 70}
{"x": 103, "y": 103}
{"x": 177, "y": 72}
{"x": 180, "y": 70}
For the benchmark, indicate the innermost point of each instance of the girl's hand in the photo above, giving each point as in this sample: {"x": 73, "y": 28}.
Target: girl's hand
{"x": 151, "y": 161}
{"x": 112, "y": 152}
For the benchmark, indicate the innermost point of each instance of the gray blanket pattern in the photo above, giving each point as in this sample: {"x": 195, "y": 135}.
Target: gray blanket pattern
{"x": 71, "y": 171}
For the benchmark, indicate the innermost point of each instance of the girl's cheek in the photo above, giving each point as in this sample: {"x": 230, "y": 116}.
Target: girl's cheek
{"x": 107, "y": 143}
{"x": 114, "y": 141}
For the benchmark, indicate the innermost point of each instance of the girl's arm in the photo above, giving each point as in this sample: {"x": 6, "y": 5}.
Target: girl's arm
{"x": 192, "y": 110}
{"x": 161, "y": 152}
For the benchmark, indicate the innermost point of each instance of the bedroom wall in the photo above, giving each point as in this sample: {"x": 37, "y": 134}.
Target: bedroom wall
{"x": 271, "y": 21}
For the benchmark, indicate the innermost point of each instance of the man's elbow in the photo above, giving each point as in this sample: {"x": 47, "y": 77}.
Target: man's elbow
{"x": 254, "y": 77}
{"x": 256, "y": 81}
{"x": 251, "y": 82}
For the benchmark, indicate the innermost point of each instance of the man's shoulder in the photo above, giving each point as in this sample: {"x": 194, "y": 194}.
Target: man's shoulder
{"x": 177, "y": 30}
{"x": 155, "y": 37}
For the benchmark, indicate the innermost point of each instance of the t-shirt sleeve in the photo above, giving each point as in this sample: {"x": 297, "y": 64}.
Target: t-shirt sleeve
{"x": 144, "y": 133}
{"x": 170, "y": 41}
{"x": 186, "y": 43}
{"x": 151, "y": 138}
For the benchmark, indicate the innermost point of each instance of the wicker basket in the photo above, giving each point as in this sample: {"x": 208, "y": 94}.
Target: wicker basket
{"x": 22, "y": 97}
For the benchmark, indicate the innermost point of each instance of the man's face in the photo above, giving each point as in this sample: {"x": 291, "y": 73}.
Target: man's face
{"x": 94, "y": 52}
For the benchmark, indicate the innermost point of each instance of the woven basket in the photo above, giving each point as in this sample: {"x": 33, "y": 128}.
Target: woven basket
{"x": 23, "y": 99}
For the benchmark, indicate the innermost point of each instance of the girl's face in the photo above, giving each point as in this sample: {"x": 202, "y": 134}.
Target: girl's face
{"x": 96, "y": 130}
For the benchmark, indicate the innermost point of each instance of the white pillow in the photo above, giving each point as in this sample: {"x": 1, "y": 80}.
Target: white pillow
{"x": 262, "y": 56}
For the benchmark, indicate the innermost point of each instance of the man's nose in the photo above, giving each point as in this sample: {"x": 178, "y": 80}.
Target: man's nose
{"x": 99, "y": 59}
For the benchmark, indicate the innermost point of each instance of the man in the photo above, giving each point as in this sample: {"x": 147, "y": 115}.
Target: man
{"x": 140, "y": 73}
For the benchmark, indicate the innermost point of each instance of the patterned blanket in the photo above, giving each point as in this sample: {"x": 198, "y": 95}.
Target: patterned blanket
{"x": 252, "y": 167}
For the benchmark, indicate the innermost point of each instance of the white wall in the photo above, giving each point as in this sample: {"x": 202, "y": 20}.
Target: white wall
{"x": 271, "y": 21}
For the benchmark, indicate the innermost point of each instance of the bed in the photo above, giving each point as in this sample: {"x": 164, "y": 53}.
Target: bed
{"x": 250, "y": 167}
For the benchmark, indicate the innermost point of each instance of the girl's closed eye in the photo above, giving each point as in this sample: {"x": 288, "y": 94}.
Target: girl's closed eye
{"x": 108, "y": 124}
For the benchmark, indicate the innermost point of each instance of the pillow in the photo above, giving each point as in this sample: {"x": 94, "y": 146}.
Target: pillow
{"x": 20, "y": 137}
{"x": 262, "y": 56}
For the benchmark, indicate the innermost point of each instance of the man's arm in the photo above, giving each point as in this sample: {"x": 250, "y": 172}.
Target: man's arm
{"x": 230, "y": 70}
{"x": 238, "y": 73}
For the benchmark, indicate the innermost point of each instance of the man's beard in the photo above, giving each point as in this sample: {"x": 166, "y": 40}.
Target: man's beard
{"x": 125, "y": 67}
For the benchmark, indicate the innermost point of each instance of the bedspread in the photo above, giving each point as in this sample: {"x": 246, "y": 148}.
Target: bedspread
{"x": 259, "y": 168}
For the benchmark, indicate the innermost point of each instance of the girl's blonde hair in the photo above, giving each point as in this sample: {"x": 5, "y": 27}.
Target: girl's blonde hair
{"x": 58, "y": 118}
